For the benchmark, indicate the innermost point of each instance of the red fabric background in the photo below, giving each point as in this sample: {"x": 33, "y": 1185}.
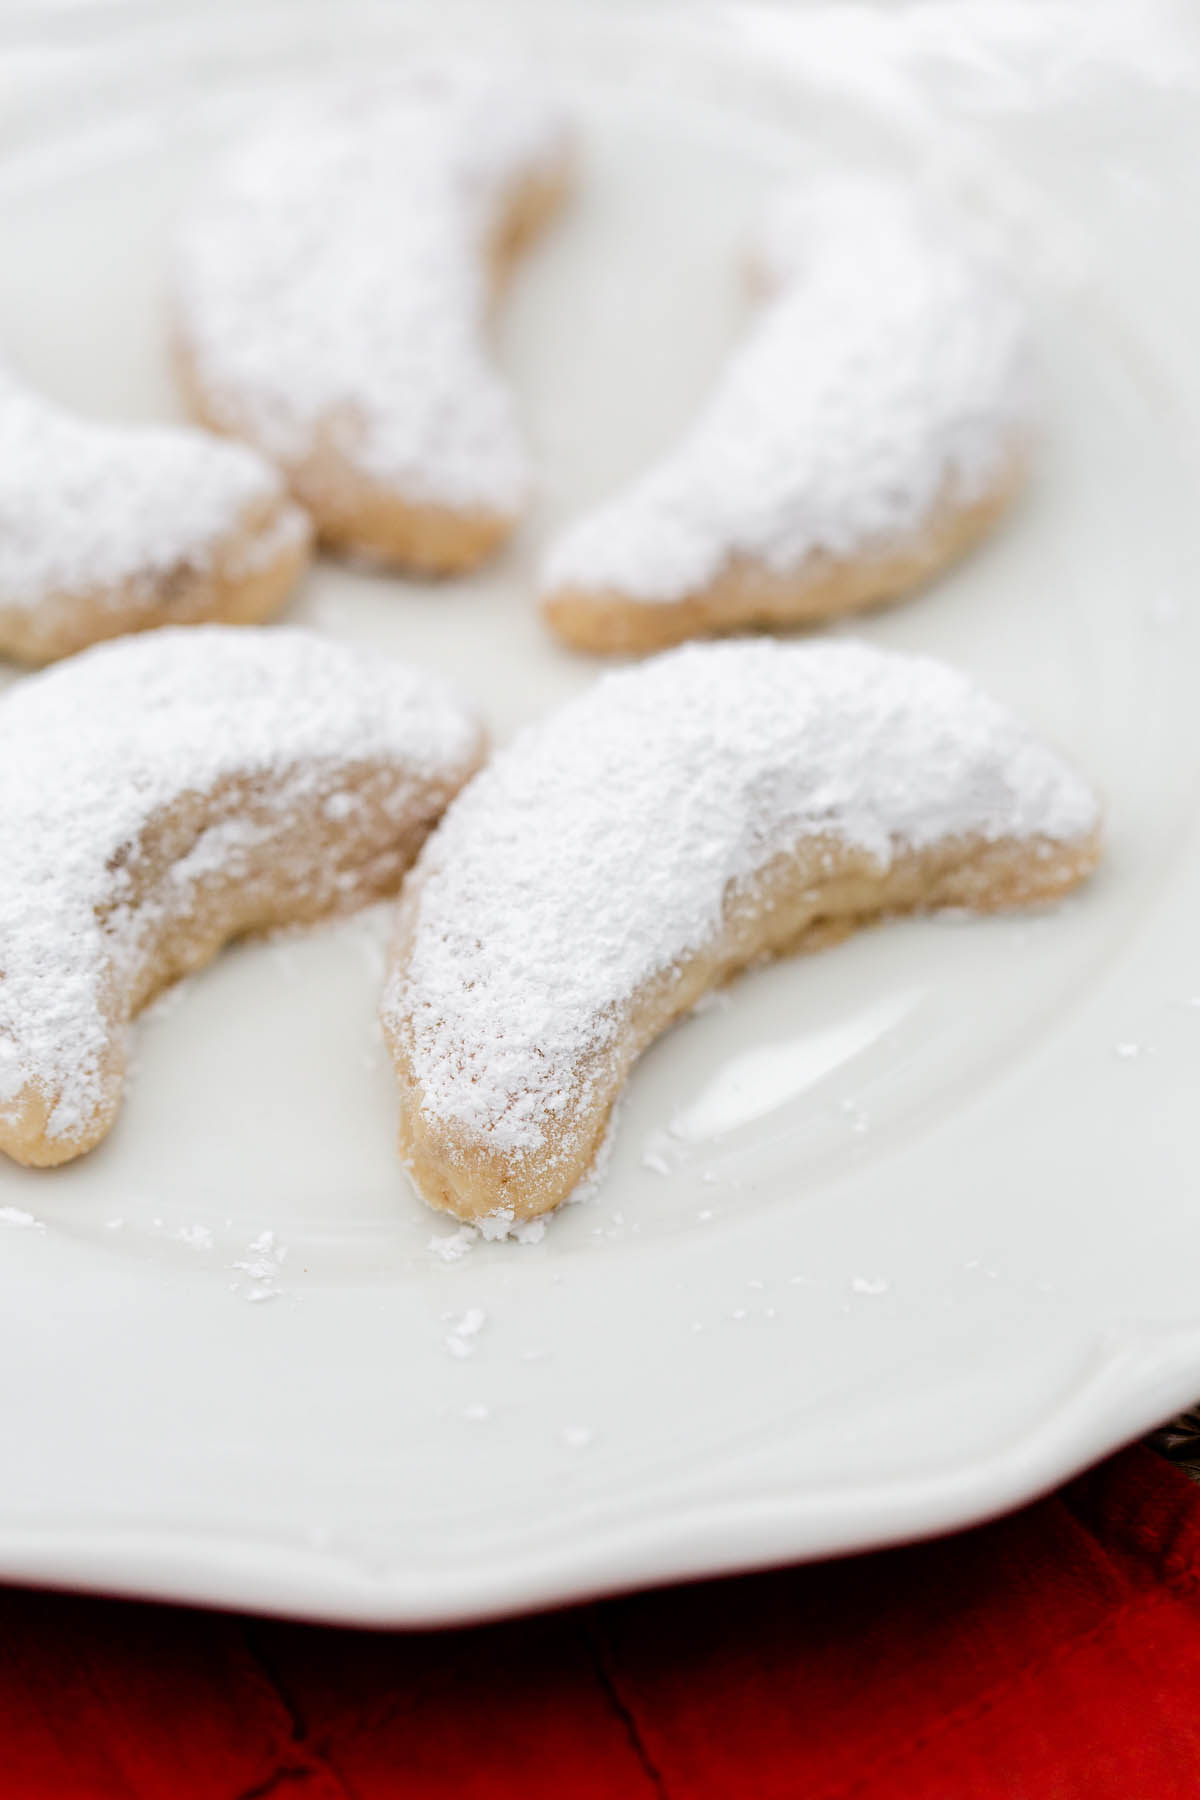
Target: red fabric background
{"x": 1052, "y": 1654}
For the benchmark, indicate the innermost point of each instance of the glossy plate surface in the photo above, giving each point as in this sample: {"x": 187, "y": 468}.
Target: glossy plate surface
{"x": 891, "y": 1237}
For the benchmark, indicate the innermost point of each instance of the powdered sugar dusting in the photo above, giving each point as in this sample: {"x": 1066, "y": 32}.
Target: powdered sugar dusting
{"x": 887, "y": 373}
{"x": 602, "y": 845}
{"x": 92, "y": 753}
{"x": 337, "y": 278}
{"x": 87, "y": 508}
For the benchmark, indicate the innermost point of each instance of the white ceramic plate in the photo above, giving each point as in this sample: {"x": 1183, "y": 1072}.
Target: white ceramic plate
{"x": 891, "y": 1238}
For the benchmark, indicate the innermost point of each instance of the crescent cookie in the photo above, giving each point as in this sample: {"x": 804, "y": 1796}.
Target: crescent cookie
{"x": 332, "y": 301}
{"x": 106, "y": 529}
{"x": 666, "y": 828}
{"x": 872, "y": 425}
{"x": 163, "y": 794}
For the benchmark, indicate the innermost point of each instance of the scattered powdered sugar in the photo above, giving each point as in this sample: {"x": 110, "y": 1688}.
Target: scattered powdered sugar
{"x": 337, "y": 277}
{"x": 497, "y": 1227}
{"x": 15, "y": 1215}
{"x": 87, "y": 508}
{"x": 855, "y": 1115}
{"x": 96, "y": 749}
{"x": 888, "y": 372}
{"x": 196, "y": 1237}
{"x": 464, "y": 1331}
{"x": 263, "y": 1264}
{"x": 873, "y": 1285}
{"x": 451, "y": 1247}
{"x": 601, "y": 846}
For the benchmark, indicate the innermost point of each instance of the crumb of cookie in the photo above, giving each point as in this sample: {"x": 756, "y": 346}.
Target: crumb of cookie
{"x": 674, "y": 823}
{"x": 872, "y": 425}
{"x": 167, "y": 792}
{"x": 332, "y": 300}
{"x": 107, "y": 529}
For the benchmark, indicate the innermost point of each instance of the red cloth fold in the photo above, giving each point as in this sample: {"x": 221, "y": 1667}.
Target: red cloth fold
{"x": 1050, "y": 1655}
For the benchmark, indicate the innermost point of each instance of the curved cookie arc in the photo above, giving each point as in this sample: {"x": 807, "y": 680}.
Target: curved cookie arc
{"x": 332, "y": 301}
{"x": 108, "y": 529}
{"x": 164, "y": 794}
{"x": 873, "y": 424}
{"x": 671, "y": 825}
